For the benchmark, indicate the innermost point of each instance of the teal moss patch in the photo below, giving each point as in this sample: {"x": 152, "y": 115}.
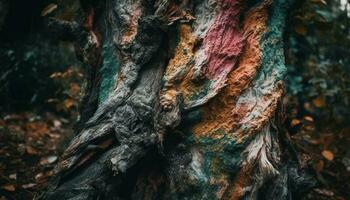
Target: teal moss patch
{"x": 272, "y": 46}
{"x": 108, "y": 71}
{"x": 221, "y": 157}
{"x": 225, "y": 151}
{"x": 273, "y": 67}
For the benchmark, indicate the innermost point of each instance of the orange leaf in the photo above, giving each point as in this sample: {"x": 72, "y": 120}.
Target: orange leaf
{"x": 9, "y": 187}
{"x": 295, "y": 122}
{"x": 37, "y": 129}
{"x": 68, "y": 103}
{"x": 31, "y": 151}
{"x": 319, "y": 102}
{"x": 328, "y": 155}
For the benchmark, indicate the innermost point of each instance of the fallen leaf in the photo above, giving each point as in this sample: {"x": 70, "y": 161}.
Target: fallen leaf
{"x": 319, "y": 166}
{"x": 56, "y": 75}
{"x": 57, "y": 123}
{"x": 42, "y": 178}
{"x": 48, "y": 9}
{"x": 29, "y": 185}
{"x": 9, "y": 187}
{"x": 48, "y": 160}
{"x": 295, "y": 122}
{"x": 13, "y": 176}
{"x": 74, "y": 89}
{"x": 308, "y": 118}
{"x": 51, "y": 159}
{"x": 319, "y": 102}
{"x": 52, "y": 100}
{"x": 37, "y": 129}
{"x": 31, "y": 151}
{"x": 328, "y": 155}
{"x": 324, "y": 192}
{"x": 308, "y": 107}
{"x": 68, "y": 103}
{"x": 39, "y": 176}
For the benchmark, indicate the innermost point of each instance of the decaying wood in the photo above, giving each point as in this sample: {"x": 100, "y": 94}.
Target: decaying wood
{"x": 183, "y": 102}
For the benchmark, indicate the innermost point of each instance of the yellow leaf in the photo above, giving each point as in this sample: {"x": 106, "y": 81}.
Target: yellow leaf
{"x": 328, "y": 155}
{"x": 48, "y": 9}
{"x": 319, "y": 102}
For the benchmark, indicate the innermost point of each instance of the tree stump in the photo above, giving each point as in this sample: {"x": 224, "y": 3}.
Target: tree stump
{"x": 183, "y": 101}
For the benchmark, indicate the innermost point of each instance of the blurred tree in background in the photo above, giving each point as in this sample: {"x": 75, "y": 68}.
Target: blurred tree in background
{"x": 40, "y": 81}
{"x": 319, "y": 72}
{"x": 28, "y": 56}
{"x": 318, "y": 92}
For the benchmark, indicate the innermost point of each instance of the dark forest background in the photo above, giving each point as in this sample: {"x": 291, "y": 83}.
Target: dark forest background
{"x": 41, "y": 83}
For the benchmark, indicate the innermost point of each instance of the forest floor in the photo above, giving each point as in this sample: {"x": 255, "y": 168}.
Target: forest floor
{"x": 328, "y": 154}
{"x": 31, "y": 143}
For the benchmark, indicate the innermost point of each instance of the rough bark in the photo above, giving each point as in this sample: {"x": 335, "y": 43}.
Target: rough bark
{"x": 183, "y": 102}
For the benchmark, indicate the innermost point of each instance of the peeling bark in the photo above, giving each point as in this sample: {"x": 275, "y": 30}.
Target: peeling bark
{"x": 183, "y": 102}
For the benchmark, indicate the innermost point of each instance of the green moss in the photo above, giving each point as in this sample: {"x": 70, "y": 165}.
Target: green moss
{"x": 221, "y": 160}
{"x": 108, "y": 71}
{"x": 272, "y": 43}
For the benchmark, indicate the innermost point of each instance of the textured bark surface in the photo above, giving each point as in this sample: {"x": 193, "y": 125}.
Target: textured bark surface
{"x": 183, "y": 102}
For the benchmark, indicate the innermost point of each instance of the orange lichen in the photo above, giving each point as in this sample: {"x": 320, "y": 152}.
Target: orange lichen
{"x": 221, "y": 112}
{"x": 179, "y": 64}
{"x": 130, "y": 32}
{"x": 183, "y": 52}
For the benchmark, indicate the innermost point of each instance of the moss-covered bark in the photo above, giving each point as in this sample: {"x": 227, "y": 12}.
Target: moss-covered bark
{"x": 184, "y": 102}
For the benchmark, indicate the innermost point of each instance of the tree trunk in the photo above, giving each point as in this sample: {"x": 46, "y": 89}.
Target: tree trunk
{"x": 183, "y": 101}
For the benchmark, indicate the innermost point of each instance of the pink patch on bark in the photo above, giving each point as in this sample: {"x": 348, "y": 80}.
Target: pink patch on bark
{"x": 223, "y": 42}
